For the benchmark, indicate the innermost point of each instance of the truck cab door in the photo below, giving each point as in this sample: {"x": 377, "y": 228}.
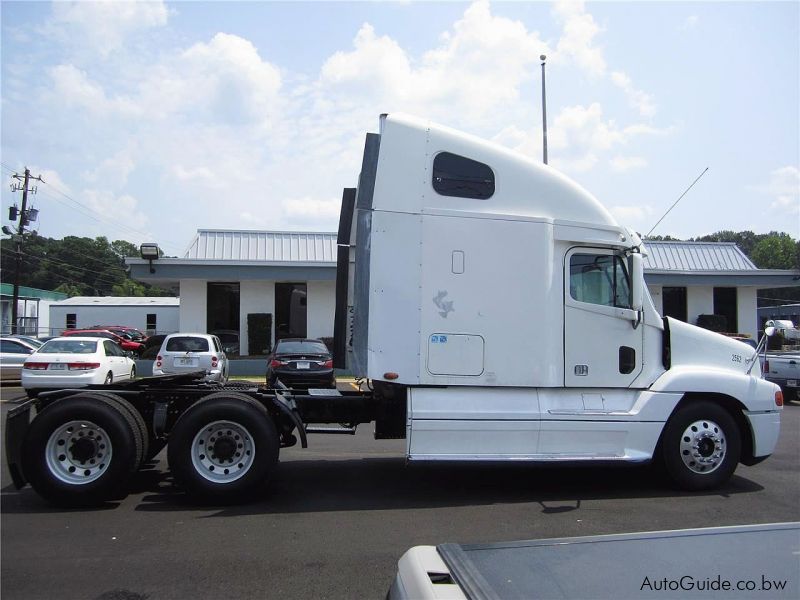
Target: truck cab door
{"x": 603, "y": 336}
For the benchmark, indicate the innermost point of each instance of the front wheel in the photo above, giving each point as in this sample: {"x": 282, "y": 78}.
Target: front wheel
{"x": 223, "y": 448}
{"x": 701, "y": 445}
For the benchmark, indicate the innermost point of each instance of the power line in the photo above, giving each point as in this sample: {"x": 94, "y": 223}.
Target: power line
{"x": 88, "y": 212}
{"x": 31, "y": 258}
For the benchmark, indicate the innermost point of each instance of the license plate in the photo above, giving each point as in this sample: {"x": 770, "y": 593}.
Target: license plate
{"x": 791, "y": 383}
{"x": 185, "y": 362}
{"x": 303, "y": 365}
{"x": 58, "y": 366}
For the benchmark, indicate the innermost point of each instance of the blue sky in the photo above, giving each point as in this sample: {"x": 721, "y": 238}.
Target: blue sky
{"x": 151, "y": 120}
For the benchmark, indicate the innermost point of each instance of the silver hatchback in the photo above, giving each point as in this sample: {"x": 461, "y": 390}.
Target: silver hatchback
{"x": 186, "y": 352}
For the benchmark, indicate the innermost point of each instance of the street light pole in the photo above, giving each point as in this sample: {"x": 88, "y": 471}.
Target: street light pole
{"x": 544, "y": 112}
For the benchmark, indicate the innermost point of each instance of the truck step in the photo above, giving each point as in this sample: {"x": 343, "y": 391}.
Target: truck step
{"x": 332, "y": 430}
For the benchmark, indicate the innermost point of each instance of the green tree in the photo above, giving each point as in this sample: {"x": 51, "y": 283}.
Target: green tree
{"x": 775, "y": 251}
{"x": 128, "y": 288}
{"x": 69, "y": 289}
{"x": 125, "y": 249}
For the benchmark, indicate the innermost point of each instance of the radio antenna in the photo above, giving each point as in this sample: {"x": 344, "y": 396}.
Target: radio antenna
{"x": 676, "y": 202}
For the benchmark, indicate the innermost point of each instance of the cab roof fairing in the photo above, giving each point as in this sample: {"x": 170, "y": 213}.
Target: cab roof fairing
{"x": 557, "y": 197}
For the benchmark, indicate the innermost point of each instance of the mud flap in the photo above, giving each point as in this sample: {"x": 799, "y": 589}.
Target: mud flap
{"x": 17, "y": 423}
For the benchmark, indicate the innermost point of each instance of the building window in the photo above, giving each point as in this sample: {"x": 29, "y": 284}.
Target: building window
{"x": 72, "y": 320}
{"x": 462, "y": 177}
{"x": 223, "y": 308}
{"x": 599, "y": 279}
{"x": 291, "y": 310}
{"x": 151, "y": 322}
{"x": 725, "y": 304}
{"x": 674, "y": 300}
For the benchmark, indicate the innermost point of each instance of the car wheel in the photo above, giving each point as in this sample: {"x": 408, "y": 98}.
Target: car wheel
{"x": 133, "y": 372}
{"x": 223, "y": 448}
{"x": 109, "y": 379}
{"x": 80, "y": 450}
{"x": 701, "y": 444}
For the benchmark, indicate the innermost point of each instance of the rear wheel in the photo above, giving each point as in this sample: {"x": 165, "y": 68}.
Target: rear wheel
{"x": 701, "y": 445}
{"x": 141, "y": 433}
{"x": 80, "y": 450}
{"x": 133, "y": 372}
{"x": 224, "y": 448}
{"x": 109, "y": 379}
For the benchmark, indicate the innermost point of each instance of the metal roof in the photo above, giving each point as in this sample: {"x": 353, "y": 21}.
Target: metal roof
{"x": 120, "y": 301}
{"x": 706, "y": 257}
{"x": 263, "y": 246}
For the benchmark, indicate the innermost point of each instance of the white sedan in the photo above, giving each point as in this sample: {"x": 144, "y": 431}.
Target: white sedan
{"x": 74, "y": 362}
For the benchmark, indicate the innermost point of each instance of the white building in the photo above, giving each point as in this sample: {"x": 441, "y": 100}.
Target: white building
{"x": 227, "y": 275}
{"x": 151, "y": 314}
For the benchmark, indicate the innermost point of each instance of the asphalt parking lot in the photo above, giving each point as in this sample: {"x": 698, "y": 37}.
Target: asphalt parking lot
{"x": 340, "y": 513}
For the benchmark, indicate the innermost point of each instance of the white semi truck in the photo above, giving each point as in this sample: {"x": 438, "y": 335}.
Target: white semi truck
{"x": 499, "y": 313}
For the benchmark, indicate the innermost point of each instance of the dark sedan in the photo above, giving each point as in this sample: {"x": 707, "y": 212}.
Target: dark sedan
{"x": 301, "y": 363}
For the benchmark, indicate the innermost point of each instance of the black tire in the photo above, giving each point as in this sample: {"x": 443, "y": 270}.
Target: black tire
{"x": 109, "y": 378}
{"x": 114, "y": 445}
{"x": 143, "y": 443}
{"x": 701, "y": 446}
{"x": 246, "y": 442}
{"x": 133, "y": 372}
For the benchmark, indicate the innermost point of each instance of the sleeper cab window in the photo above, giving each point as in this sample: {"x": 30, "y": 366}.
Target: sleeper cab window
{"x": 462, "y": 177}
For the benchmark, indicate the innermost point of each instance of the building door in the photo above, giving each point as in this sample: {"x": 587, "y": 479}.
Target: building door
{"x": 674, "y": 303}
{"x": 725, "y": 304}
{"x": 223, "y": 308}
{"x": 291, "y": 315}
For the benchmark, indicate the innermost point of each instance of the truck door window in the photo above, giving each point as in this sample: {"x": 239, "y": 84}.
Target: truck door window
{"x": 599, "y": 279}
{"x": 462, "y": 177}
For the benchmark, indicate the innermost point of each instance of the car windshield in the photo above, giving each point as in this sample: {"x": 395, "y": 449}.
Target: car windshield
{"x": 69, "y": 347}
{"x": 187, "y": 344}
{"x": 298, "y": 347}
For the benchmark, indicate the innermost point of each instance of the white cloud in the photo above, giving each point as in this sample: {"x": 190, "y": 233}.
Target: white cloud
{"x": 577, "y": 41}
{"x": 577, "y": 138}
{"x": 626, "y": 163}
{"x": 478, "y": 66}
{"x": 690, "y": 22}
{"x": 73, "y": 88}
{"x": 635, "y": 215}
{"x": 113, "y": 171}
{"x": 103, "y": 25}
{"x": 123, "y": 208}
{"x": 640, "y": 100}
{"x": 784, "y": 188}
{"x": 215, "y": 124}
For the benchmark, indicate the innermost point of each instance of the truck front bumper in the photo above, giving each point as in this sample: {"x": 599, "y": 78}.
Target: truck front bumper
{"x": 765, "y": 427}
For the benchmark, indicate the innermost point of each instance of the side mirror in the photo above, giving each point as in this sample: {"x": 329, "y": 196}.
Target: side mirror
{"x": 637, "y": 281}
{"x": 769, "y": 331}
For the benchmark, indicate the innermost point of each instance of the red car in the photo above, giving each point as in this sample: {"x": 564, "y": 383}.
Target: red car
{"x": 126, "y": 344}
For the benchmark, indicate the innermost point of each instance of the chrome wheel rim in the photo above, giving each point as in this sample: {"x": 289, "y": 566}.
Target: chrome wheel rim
{"x": 223, "y": 451}
{"x": 78, "y": 452}
{"x": 703, "y": 447}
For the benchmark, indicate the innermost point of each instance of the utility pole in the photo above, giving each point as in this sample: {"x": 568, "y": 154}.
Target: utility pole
{"x": 544, "y": 112}
{"x": 25, "y": 216}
